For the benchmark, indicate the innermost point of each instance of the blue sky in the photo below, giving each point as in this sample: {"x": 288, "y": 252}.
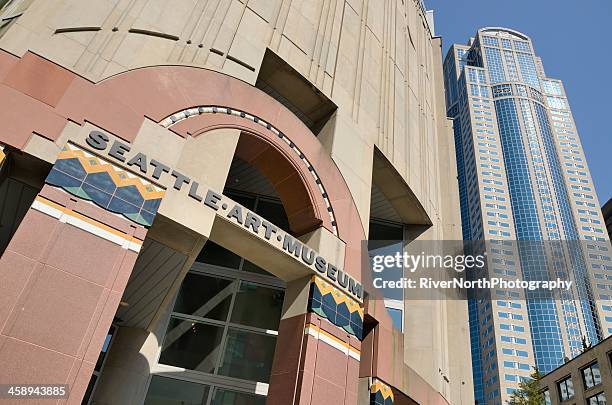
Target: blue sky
{"x": 573, "y": 38}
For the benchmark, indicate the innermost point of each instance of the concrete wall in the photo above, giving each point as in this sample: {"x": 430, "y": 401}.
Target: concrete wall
{"x": 377, "y": 61}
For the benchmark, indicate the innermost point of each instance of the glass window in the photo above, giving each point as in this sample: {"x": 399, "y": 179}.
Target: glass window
{"x": 227, "y": 397}
{"x": 552, "y": 87}
{"x": 591, "y": 375}
{"x": 169, "y": 391}
{"x": 397, "y": 316}
{"x": 487, "y": 40}
{"x": 566, "y": 389}
{"x": 556, "y": 102}
{"x": 597, "y": 399}
{"x": 546, "y": 395}
{"x": 521, "y": 45}
{"x": 224, "y": 323}
{"x": 267, "y": 311}
{"x": 248, "y": 355}
{"x": 205, "y": 296}
{"x": 495, "y": 66}
{"x": 192, "y": 345}
{"x": 528, "y": 69}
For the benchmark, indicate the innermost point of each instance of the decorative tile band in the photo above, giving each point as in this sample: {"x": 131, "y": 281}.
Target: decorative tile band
{"x": 89, "y": 177}
{"x": 326, "y": 337}
{"x": 336, "y": 306}
{"x": 380, "y": 393}
{"x": 191, "y": 112}
{"x": 86, "y": 224}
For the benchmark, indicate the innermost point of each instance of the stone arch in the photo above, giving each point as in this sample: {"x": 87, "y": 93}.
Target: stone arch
{"x": 275, "y": 155}
{"x": 121, "y": 103}
{"x": 163, "y": 92}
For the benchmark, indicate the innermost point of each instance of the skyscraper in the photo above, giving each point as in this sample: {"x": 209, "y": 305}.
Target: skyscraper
{"x": 178, "y": 178}
{"x": 523, "y": 176}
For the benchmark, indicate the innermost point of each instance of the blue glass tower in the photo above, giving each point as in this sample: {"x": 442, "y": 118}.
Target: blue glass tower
{"x": 523, "y": 177}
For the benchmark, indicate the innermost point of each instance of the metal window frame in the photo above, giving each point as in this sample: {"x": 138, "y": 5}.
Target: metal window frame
{"x": 213, "y": 380}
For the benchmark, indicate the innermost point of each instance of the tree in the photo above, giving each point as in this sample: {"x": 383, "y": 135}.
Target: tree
{"x": 585, "y": 346}
{"x": 528, "y": 392}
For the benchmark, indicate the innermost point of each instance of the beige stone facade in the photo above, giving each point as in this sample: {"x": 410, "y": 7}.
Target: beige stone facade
{"x": 339, "y": 105}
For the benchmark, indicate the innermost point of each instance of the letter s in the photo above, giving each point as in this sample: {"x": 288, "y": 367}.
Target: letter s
{"x": 97, "y": 140}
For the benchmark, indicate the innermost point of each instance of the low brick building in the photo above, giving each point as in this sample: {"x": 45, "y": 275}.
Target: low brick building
{"x": 586, "y": 379}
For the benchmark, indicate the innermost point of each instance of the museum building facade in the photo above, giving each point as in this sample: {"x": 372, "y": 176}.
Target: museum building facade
{"x": 186, "y": 192}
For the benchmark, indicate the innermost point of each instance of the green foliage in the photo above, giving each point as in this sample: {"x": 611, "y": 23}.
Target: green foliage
{"x": 528, "y": 392}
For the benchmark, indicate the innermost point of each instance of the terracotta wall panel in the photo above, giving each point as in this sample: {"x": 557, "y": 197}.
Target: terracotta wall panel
{"x": 63, "y": 287}
{"x": 35, "y": 117}
{"x": 39, "y": 78}
{"x": 12, "y": 281}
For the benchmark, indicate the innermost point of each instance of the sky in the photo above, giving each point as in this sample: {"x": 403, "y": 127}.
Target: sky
{"x": 573, "y": 39}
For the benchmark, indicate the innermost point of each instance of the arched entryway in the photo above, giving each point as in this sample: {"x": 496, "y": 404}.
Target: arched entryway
{"x": 166, "y": 114}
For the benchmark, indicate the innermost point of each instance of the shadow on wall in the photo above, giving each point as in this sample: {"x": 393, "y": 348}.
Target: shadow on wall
{"x": 125, "y": 372}
{"x": 21, "y": 179}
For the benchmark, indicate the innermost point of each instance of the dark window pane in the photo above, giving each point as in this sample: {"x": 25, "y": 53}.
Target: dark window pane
{"x": 219, "y": 256}
{"x": 248, "y": 355}
{"x": 191, "y": 345}
{"x": 273, "y": 212}
{"x": 89, "y": 391}
{"x": 205, "y": 296}
{"x": 385, "y": 231}
{"x": 257, "y": 306}
{"x": 227, "y": 397}
{"x": 596, "y": 374}
{"x": 168, "y": 391}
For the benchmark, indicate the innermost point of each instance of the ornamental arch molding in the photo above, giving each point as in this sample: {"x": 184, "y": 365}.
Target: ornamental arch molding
{"x": 192, "y": 101}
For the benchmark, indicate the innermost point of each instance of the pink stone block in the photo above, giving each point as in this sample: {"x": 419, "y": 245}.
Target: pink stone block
{"x": 33, "y": 234}
{"x": 26, "y": 74}
{"x": 331, "y": 363}
{"x": 282, "y": 388}
{"x": 56, "y": 311}
{"x": 79, "y": 379}
{"x": 41, "y": 118}
{"x": 24, "y": 363}
{"x": 309, "y": 354}
{"x": 100, "y": 326}
{"x": 325, "y": 392}
{"x": 15, "y": 270}
{"x": 85, "y": 255}
{"x": 305, "y": 387}
{"x": 122, "y": 276}
{"x": 352, "y": 376}
{"x": 288, "y": 345}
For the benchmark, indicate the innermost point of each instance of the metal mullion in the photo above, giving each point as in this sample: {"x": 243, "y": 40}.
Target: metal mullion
{"x": 210, "y": 395}
{"x": 227, "y": 273}
{"x": 199, "y": 377}
{"x": 211, "y": 270}
{"x": 206, "y": 321}
{"x": 252, "y": 329}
